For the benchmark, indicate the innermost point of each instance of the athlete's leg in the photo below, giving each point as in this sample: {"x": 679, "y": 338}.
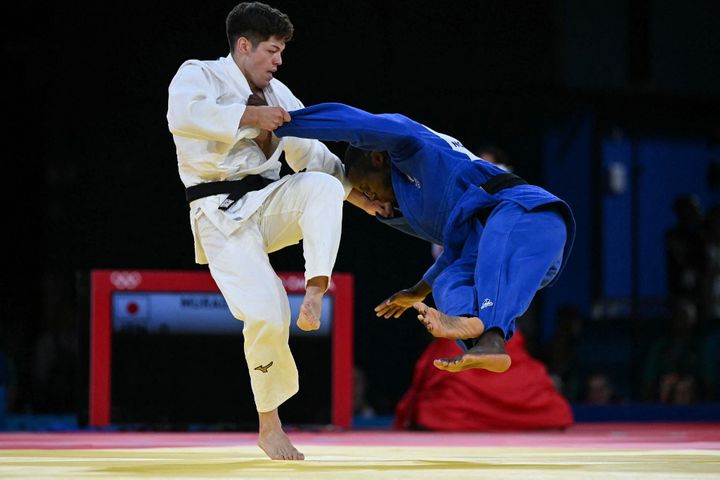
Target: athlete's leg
{"x": 518, "y": 249}
{"x": 307, "y": 207}
{"x": 255, "y": 294}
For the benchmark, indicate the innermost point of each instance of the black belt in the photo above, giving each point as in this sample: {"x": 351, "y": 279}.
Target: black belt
{"x": 494, "y": 185}
{"x": 501, "y": 182}
{"x": 235, "y": 189}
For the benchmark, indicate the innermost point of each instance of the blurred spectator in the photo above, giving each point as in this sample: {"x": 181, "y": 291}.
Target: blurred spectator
{"x": 684, "y": 249}
{"x": 677, "y": 389}
{"x": 599, "y": 390}
{"x": 361, "y": 405}
{"x": 529, "y": 325}
{"x": 495, "y": 155}
{"x": 680, "y": 360}
{"x": 54, "y": 375}
{"x": 561, "y": 351}
{"x": 55, "y": 351}
{"x": 8, "y": 382}
{"x": 9, "y": 345}
{"x": 4, "y": 377}
{"x": 711, "y": 275}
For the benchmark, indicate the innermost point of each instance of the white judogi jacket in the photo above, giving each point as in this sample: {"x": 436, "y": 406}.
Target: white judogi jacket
{"x": 205, "y": 103}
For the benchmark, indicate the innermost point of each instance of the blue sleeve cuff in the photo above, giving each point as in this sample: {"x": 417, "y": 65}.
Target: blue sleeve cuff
{"x": 435, "y": 270}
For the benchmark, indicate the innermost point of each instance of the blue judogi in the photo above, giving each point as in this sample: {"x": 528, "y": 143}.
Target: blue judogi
{"x": 491, "y": 266}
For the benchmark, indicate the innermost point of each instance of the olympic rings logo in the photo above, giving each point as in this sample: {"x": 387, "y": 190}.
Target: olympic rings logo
{"x": 125, "y": 280}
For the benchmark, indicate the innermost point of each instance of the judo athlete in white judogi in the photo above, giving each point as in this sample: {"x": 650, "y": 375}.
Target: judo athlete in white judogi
{"x": 240, "y": 208}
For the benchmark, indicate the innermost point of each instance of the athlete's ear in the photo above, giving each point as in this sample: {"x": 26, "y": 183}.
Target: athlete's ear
{"x": 377, "y": 160}
{"x": 243, "y": 45}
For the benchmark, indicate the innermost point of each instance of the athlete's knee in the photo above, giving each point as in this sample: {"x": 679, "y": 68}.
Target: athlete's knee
{"x": 553, "y": 224}
{"x": 268, "y": 323}
{"x": 269, "y": 328}
{"x": 270, "y": 311}
{"x": 325, "y": 185}
{"x": 272, "y": 308}
{"x": 237, "y": 313}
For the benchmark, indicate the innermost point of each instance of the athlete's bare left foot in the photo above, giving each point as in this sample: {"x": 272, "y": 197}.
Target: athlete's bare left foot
{"x": 489, "y": 354}
{"x": 277, "y": 446}
{"x": 447, "y": 326}
{"x": 274, "y": 441}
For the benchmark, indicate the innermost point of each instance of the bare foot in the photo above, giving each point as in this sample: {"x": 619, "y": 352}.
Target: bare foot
{"x": 310, "y": 310}
{"x": 489, "y": 354}
{"x": 277, "y": 446}
{"x": 274, "y": 441}
{"x": 446, "y": 326}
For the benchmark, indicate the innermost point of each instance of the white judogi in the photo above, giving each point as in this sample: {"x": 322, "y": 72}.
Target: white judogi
{"x": 206, "y": 101}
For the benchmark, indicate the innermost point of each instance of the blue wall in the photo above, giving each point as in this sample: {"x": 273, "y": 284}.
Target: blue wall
{"x": 567, "y": 166}
{"x": 666, "y": 166}
{"x": 665, "y": 169}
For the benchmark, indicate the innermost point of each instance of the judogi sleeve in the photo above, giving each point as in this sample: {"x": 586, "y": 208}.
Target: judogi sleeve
{"x": 342, "y": 123}
{"x": 310, "y": 154}
{"x": 436, "y": 269}
{"x": 197, "y": 110}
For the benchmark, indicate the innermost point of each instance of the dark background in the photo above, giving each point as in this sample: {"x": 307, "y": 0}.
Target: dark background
{"x": 90, "y": 177}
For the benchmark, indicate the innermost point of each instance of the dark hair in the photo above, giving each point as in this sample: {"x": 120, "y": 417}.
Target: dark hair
{"x": 257, "y": 22}
{"x": 356, "y": 158}
{"x": 685, "y": 203}
{"x": 498, "y": 153}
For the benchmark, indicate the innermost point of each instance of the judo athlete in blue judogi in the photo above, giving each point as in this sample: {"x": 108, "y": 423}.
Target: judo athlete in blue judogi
{"x": 503, "y": 239}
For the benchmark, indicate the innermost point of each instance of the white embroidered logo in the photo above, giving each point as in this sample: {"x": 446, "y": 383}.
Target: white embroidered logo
{"x": 227, "y": 203}
{"x": 486, "y": 303}
{"x": 413, "y": 180}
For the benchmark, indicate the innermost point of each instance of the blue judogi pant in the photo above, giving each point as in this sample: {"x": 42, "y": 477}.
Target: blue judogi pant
{"x": 502, "y": 266}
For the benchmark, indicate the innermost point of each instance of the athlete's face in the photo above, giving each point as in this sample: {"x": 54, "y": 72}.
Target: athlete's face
{"x": 374, "y": 181}
{"x": 259, "y": 62}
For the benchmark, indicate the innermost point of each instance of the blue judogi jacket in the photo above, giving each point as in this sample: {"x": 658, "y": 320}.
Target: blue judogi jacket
{"x": 436, "y": 180}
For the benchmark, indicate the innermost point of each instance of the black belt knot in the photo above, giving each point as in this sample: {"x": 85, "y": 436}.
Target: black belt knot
{"x": 235, "y": 189}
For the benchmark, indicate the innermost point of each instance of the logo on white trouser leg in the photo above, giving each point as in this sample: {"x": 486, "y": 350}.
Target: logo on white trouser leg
{"x": 263, "y": 369}
{"x": 486, "y": 303}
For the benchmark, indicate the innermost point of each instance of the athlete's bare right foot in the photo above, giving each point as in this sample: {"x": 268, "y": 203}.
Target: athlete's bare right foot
{"x": 447, "y": 326}
{"x": 488, "y": 354}
{"x": 310, "y": 310}
{"x": 308, "y": 319}
{"x": 273, "y": 440}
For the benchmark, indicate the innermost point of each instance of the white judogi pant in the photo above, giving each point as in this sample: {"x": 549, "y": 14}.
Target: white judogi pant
{"x": 308, "y": 206}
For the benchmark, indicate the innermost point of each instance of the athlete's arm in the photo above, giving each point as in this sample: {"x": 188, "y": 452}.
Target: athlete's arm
{"x": 371, "y": 207}
{"x": 393, "y": 133}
